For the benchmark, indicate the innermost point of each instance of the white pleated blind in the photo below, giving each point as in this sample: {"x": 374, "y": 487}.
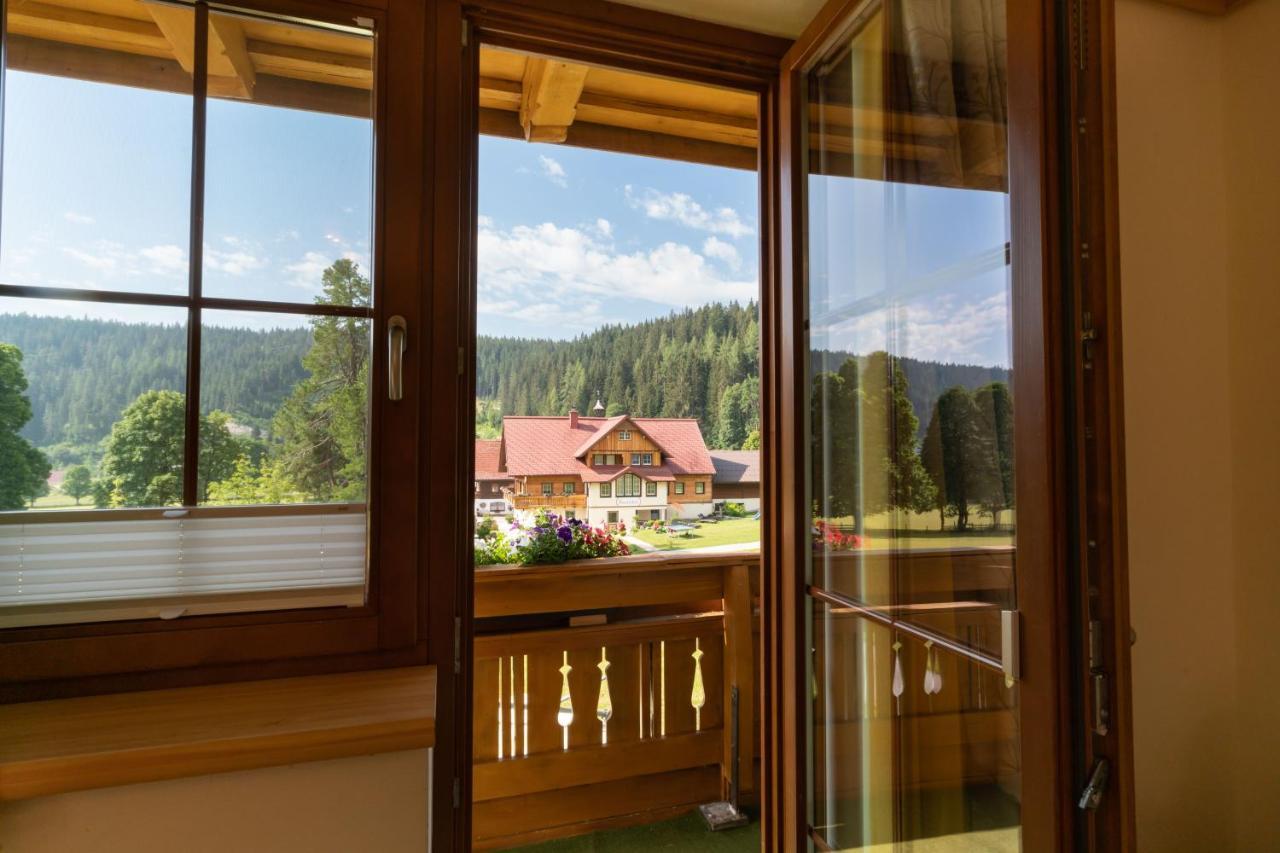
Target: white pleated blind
{"x": 116, "y": 568}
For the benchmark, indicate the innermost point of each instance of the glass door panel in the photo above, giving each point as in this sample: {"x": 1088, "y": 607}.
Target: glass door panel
{"x": 914, "y": 722}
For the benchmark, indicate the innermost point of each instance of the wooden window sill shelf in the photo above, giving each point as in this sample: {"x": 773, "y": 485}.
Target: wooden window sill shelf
{"x": 100, "y": 741}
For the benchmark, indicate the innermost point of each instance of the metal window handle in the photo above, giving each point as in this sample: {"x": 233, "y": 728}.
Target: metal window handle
{"x": 397, "y": 343}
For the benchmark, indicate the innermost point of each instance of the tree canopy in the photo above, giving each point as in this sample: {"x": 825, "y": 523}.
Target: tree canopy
{"x": 24, "y": 474}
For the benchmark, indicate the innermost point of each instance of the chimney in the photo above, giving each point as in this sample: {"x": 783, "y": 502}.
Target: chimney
{"x": 573, "y": 419}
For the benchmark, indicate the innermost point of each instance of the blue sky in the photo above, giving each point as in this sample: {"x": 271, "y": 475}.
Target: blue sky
{"x": 96, "y": 195}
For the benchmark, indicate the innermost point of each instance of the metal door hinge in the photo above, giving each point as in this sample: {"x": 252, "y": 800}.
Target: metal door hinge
{"x": 457, "y": 645}
{"x": 466, "y": 28}
{"x": 457, "y": 792}
{"x": 1010, "y": 644}
{"x": 1091, "y": 796}
{"x": 1098, "y": 674}
{"x": 462, "y": 361}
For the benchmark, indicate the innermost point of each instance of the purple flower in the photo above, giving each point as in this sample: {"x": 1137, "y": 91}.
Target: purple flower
{"x": 566, "y": 534}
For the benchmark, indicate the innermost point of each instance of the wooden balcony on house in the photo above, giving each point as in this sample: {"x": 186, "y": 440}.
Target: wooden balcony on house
{"x": 620, "y": 717}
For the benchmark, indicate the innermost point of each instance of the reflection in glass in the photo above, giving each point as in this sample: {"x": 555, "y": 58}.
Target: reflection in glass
{"x": 91, "y": 405}
{"x": 97, "y": 148}
{"x": 911, "y": 414}
{"x": 289, "y": 172}
{"x": 288, "y": 398}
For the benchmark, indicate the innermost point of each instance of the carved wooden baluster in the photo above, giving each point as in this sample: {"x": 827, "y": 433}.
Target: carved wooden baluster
{"x": 564, "y": 717}
{"x": 604, "y": 705}
{"x": 699, "y": 696}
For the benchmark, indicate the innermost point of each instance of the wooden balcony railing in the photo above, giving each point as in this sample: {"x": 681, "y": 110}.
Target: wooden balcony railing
{"x": 602, "y": 687}
{"x": 619, "y": 717}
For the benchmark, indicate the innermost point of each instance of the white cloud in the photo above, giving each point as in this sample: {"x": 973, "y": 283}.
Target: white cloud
{"x": 232, "y": 263}
{"x": 604, "y": 227}
{"x": 167, "y": 259}
{"x": 568, "y": 277}
{"x": 716, "y": 248}
{"x": 104, "y": 258}
{"x": 683, "y": 208}
{"x": 78, "y": 218}
{"x": 964, "y": 328}
{"x": 307, "y": 272}
{"x": 553, "y": 171}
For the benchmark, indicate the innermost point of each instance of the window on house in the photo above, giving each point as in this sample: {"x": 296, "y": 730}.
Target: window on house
{"x": 606, "y": 490}
{"x": 546, "y": 490}
{"x": 628, "y": 486}
{"x": 191, "y": 352}
{"x": 651, "y": 489}
{"x": 679, "y": 488}
{"x": 624, "y": 435}
{"x": 635, "y": 458}
{"x": 612, "y": 516}
{"x": 597, "y": 459}
{"x": 568, "y": 488}
{"x": 700, "y": 487}
{"x": 647, "y": 459}
{"x": 655, "y": 515}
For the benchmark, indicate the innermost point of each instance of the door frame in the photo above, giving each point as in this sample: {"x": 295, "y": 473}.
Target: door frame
{"x": 587, "y": 31}
{"x": 1040, "y": 433}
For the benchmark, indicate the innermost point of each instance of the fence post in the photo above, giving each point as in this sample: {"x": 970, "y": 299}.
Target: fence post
{"x": 739, "y": 670}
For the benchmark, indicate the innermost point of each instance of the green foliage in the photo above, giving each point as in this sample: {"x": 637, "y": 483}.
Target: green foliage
{"x": 24, "y": 474}
{"x": 960, "y": 453}
{"x": 864, "y": 454}
{"x": 84, "y": 372}
{"x": 144, "y": 453}
{"x": 995, "y": 421}
{"x": 77, "y": 482}
{"x": 752, "y": 441}
{"x": 322, "y": 426}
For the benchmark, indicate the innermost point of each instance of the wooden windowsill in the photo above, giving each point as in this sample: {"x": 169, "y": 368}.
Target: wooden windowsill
{"x": 100, "y": 741}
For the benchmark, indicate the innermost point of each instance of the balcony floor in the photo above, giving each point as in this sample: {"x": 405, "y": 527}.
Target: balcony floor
{"x": 684, "y": 833}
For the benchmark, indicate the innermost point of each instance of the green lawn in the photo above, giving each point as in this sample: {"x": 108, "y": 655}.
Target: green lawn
{"x": 729, "y": 532}
{"x": 57, "y": 500}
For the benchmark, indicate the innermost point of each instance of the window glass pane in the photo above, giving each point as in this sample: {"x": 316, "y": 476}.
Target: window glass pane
{"x": 92, "y": 407}
{"x": 97, "y": 146}
{"x": 285, "y": 400}
{"x": 289, "y": 173}
{"x": 914, "y": 745}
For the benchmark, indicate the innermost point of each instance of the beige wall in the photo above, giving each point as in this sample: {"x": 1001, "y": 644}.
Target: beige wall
{"x": 1199, "y": 190}
{"x": 372, "y": 803}
{"x": 1251, "y": 100}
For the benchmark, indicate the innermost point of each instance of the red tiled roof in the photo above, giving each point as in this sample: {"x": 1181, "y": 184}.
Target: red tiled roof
{"x": 539, "y": 445}
{"x": 488, "y": 451}
{"x": 736, "y": 466}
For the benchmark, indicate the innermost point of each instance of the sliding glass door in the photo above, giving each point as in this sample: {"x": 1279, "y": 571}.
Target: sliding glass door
{"x": 922, "y": 335}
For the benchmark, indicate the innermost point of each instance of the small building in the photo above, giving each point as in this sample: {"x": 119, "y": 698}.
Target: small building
{"x": 491, "y": 483}
{"x": 737, "y": 477}
{"x": 608, "y": 470}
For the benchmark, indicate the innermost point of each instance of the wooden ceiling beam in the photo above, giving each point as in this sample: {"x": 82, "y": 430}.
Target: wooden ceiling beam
{"x": 78, "y": 26}
{"x": 624, "y": 140}
{"x": 229, "y": 53}
{"x": 549, "y": 98}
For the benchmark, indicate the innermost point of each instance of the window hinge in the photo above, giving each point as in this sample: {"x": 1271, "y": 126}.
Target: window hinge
{"x": 462, "y": 361}
{"x": 457, "y": 792}
{"x": 1098, "y": 674}
{"x": 1082, "y": 52}
{"x": 466, "y": 26}
{"x": 457, "y": 645}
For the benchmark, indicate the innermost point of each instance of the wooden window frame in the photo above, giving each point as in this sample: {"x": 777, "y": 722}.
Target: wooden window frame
{"x": 392, "y": 627}
{"x": 700, "y": 487}
{"x": 569, "y": 489}
{"x": 606, "y": 490}
{"x": 650, "y": 488}
{"x": 548, "y": 489}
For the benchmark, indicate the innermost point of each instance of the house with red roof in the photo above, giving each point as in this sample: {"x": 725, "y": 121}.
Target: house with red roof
{"x": 491, "y": 483}
{"x": 607, "y": 470}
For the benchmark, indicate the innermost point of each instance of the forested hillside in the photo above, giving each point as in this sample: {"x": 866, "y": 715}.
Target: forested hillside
{"x": 701, "y": 363}
{"x": 82, "y": 373}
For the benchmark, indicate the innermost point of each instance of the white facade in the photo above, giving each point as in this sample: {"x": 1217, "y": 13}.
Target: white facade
{"x": 599, "y": 507}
